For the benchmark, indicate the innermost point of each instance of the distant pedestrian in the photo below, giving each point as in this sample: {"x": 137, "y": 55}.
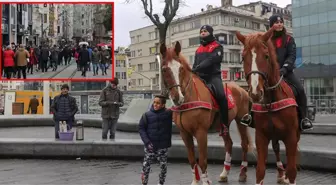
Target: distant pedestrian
{"x": 155, "y": 128}
{"x": 33, "y": 105}
{"x": 95, "y": 61}
{"x": 84, "y": 59}
{"x": 64, "y": 108}
{"x": 111, "y": 99}
{"x": 22, "y": 58}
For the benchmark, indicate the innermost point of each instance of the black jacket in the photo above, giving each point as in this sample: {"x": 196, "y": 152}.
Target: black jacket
{"x": 158, "y": 129}
{"x": 286, "y": 52}
{"x": 208, "y": 59}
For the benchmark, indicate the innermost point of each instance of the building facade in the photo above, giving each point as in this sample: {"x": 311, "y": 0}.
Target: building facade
{"x": 120, "y": 67}
{"x": 314, "y": 28}
{"x": 226, "y": 20}
{"x": 82, "y": 27}
{"x": 100, "y": 33}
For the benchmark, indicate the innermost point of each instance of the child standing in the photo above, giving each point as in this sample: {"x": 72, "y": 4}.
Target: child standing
{"x": 155, "y": 130}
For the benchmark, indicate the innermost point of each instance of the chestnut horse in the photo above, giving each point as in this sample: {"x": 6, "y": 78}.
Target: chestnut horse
{"x": 274, "y": 104}
{"x": 195, "y": 111}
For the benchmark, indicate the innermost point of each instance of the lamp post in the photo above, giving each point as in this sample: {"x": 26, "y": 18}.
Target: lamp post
{"x": 159, "y": 62}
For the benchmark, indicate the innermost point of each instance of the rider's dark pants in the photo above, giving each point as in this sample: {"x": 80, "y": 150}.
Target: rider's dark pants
{"x": 301, "y": 97}
{"x": 217, "y": 82}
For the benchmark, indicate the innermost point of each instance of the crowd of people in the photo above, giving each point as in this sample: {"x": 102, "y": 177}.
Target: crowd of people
{"x": 18, "y": 60}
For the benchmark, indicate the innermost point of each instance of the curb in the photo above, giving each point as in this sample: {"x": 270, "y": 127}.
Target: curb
{"x": 310, "y": 157}
{"x": 124, "y": 124}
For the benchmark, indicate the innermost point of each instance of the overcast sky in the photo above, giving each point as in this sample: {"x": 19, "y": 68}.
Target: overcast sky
{"x": 131, "y": 16}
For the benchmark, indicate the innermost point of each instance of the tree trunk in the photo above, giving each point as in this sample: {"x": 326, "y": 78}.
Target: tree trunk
{"x": 162, "y": 40}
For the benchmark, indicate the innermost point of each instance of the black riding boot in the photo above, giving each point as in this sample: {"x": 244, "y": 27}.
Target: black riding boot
{"x": 305, "y": 123}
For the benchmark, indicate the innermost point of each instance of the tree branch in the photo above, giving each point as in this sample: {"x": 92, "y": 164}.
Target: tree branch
{"x": 173, "y": 7}
{"x": 149, "y": 12}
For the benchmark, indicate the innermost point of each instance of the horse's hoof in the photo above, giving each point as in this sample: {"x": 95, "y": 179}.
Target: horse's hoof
{"x": 282, "y": 180}
{"x": 223, "y": 179}
{"x": 242, "y": 178}
{"x": 194, "y": 182}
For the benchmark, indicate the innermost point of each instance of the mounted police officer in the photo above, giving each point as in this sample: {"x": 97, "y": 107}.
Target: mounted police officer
{"x": 207, "y": 66}
{"x": 286, "y": 55}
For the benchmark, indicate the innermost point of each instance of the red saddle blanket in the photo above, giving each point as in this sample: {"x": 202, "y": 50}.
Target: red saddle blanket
{"x": 229, "y": 97}
{"x": 207, "y": 105}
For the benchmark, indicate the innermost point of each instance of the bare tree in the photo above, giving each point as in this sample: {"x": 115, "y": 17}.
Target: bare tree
{"x": 169, "y": 12}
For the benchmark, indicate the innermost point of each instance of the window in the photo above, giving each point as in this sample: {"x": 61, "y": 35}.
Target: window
{"x": 140, "y": 67}
{"x": 58, "y": 29}
{"x": 195, "y": 24}
{"x": 153, "y": 66}
{"x": 132, "y": 53}
{"x": 138, "y": 38}
{"x": 225, "y": 57}
{"x": 305, "y": 21}
{"x": 83, "y": 31}
{"x": 82, "y": 16}
{"x": 208, "y": 21}
{"x": 255, "y": 25}
{"x": 324, "y": 39}
{"x": 82, "y": 23}
{"x": 314, "y": 39}
{"x": 194, "y": 41}
{"x": 118, "y": 75}
{"x": 230, "y": 39}
{"x": 305, "y": 41}
{"x": 181, "y": 27}
{"x": 140, "y": 81}
{"x": 152, "y": 35}
{"x": 132, "y": 40}
{"x": 123, "y": 75}
{"x": 139, "y": 52}
{"x": 152, "y": 50}
{"x": 175, "y": 29}
{"x": 222, "y": 39}
{"x": 45, "y": 18}
{"x": 216, "y": 20}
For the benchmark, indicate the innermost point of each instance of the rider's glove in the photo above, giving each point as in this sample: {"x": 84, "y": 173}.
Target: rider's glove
{"x": 283, "y": 71}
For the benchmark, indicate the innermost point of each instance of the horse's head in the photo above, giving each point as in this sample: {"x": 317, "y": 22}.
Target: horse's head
{"x": 174, "y": 72}
{"x": 258, "y": 62}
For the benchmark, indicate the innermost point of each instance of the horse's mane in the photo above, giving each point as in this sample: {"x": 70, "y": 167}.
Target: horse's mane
{"x": 254, "y": 40}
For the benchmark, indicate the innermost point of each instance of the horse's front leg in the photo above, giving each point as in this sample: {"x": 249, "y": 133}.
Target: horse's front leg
{"x": 262, "y": 149}
{"x": 189, "y": 143}
{"x": 202, "y": 141}
{"x": 223, "y": 177}
{"x": 281, "y": 177}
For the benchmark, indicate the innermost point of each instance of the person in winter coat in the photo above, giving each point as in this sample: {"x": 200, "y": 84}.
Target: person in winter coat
{"x": 9, "y": 63}
{"x": 95, "y": 61}
{"x": 45, "y": 53}
{"x": 21, "y": 56}
{"x": 64, "y": 108}
{"x": 54, "y": 52}
{"x": 105, "y": 60}
{"x": 84, "y": 59}
{"x": 111, "y": 99}
{"x": 155, "y": 128}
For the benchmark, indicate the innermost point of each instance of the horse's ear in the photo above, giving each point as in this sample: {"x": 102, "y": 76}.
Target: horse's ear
{"x": 240, "y": 37}
{"x": 177, "y": 48}
{"x": 266, "y": 36}
{"x": 163, "y": 49}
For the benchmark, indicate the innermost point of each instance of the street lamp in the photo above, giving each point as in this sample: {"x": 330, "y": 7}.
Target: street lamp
{"x": 159, "y": 62}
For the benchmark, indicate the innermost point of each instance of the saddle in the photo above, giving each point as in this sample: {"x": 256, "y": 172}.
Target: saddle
{"x": 228, "y": 93}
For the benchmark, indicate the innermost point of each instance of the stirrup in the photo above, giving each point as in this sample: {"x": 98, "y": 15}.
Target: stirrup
{"x": 301, "y": 124}
{"x": 246, "y": 117}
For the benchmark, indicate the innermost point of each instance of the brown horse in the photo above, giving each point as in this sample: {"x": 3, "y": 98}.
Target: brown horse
{"x": 195, "y": 112}
{"x": 274, "y": 104}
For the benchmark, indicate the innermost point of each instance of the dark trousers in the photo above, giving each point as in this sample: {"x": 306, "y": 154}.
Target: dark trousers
{"x": 33, "y": 111}
{"x": 8, "y": 72}
{"x": 44, "y": 66}
{"x": 22, "y": 70}
{"x": 300, "y": 96}
{"x": 57, "y": 128}
{"x": 216, "y": 84}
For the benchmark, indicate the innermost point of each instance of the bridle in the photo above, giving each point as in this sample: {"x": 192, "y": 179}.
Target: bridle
{"x": 264, "y": 75}
{"x": 179, "y": 85}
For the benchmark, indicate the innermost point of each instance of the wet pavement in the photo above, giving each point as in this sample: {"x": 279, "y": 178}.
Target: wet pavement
{"x": 103, "y": 172}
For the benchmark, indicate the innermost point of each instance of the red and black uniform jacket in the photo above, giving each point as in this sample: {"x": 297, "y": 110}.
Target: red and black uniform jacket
{"x": 208, "y": 59}
{"x": 286, "y": 52}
